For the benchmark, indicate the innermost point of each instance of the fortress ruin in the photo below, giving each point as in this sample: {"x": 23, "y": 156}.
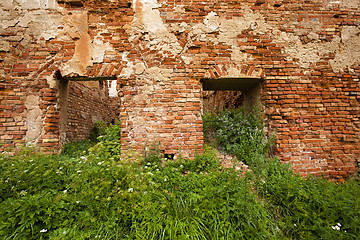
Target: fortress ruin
{"x": 157, "y": 64}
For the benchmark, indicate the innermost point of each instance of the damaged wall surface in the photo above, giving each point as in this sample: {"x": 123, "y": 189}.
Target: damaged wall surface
{"x": 306, "y": 52}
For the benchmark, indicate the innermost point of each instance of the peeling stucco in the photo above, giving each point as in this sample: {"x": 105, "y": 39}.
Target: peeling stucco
{"x": 159, "y": 74}
{"x": 34, "y": 119}
{"x": 88, "y": 51}
{"x": 306, "y": 54}
{"x": 4, "y": 46}
{"x": 127, "y": 71}
{"x": 349, "y": 51}
{"x": 59, "y": 23}
{"x": 346, "y": 4}
{"x": 53, "y": 83}
{"x": 147, "y": 21}
{"x": 82, "y": 55}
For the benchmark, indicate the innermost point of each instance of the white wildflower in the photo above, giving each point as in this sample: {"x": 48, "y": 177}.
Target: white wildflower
{"x": 43, "y": 230}
{"x": 23, "y": 193}
{"x": 99, "y": 163}
{"x": 181, "y": 166}
{"x": 65, "y": 191}
{"x": 83, "y": 158}
{"x": 151, "y": 183}
{"x": 130, "y": 190}
{"x": 145, "y": 192}
{"x": 77, "y": 201}
{"x": 150, "y": 173}
{"x": 79, "y": 171}
{"x": 146, "y": 167}
{"x": 149, "y": 164}
{"x": 165, "y": 179}
{"x": 339, "y": 224}
{"x": 336, "y": 227}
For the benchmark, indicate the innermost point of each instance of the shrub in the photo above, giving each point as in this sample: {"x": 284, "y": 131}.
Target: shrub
{"x": 311, "y": 207}
{"x": 98, "y": 130}
{"x": 237, "y": 133}
{"x": 77, "y": 149}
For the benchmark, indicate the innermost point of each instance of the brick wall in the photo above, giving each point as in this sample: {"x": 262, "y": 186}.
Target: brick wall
{"x": 87, "y": 105}
{"x": 306, "y": 52}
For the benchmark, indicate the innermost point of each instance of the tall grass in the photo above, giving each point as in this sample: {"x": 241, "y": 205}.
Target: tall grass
{"x": 91, "y": 194}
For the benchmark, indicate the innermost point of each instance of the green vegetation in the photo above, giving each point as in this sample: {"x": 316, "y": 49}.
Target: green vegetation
{"x": 87, "y": 193}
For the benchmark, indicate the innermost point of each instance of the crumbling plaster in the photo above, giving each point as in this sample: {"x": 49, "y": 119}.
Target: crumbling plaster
{"x": 34, "y": 120}
{"x": 159, "y": 36}
{"x": 45, "y": 19}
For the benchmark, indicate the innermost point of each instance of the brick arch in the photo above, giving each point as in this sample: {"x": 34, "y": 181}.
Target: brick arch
{"x": 234, "y": 71}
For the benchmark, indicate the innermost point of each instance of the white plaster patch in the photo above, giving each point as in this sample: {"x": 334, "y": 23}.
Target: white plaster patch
{"x": 33, "y": 118}
{"x": 4, "y": 46}
{"x": 36, "y": 4}
{"x": 159, "y": 74}
{"x": 127, "y": 71}
{"x": 112, "y": 88}
{"x": 187, "y": 60}
{"x": 99, "y": 47}
{"x": 348, "y": 52}
{"x": 211, "y": 21}
{"x": 345, "y": 4}
{"x": 41, "y": 24}
{"x": 237, "y": 55}
{"x": 151, "y": 17}
{"x": 310, "y": 53}
{"x": 147, "y": 20}
{"x": 51, "y": 81}
{"x": 139, "y": 68}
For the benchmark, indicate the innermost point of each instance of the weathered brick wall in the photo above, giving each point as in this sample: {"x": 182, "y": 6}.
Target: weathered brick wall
{"x": 88, "y": 102}
{"x": 307, "y": 53}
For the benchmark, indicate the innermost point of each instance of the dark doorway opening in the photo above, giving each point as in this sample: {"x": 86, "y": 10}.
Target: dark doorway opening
{"x": 230, "y": 93}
